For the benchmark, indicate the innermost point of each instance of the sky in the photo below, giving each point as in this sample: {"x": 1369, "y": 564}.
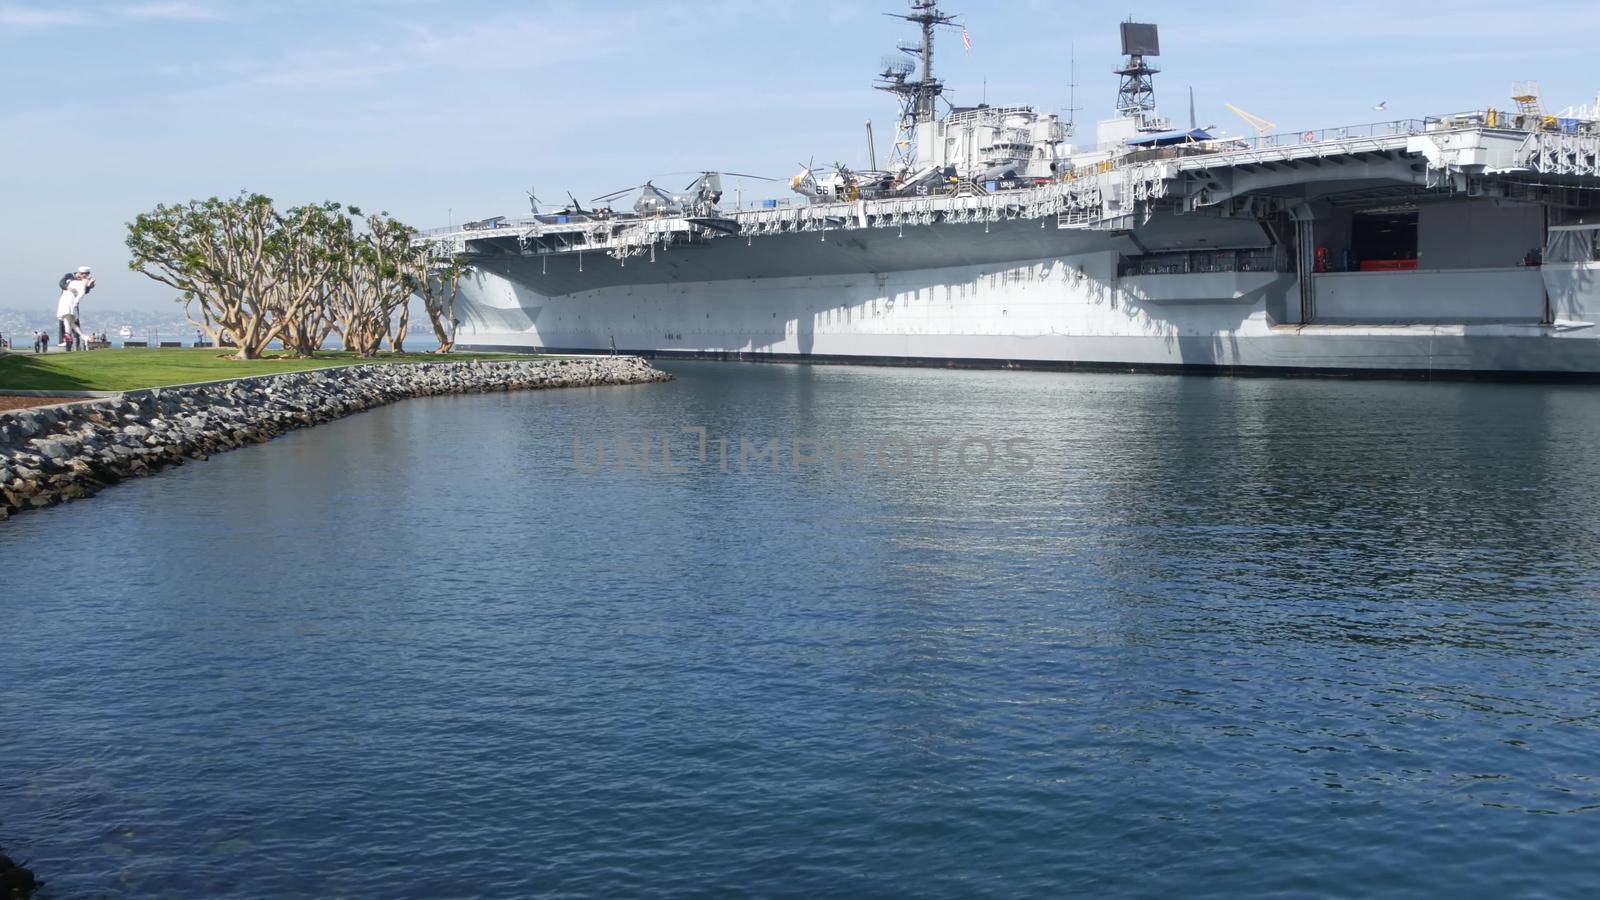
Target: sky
{"x": 439, "y": 111}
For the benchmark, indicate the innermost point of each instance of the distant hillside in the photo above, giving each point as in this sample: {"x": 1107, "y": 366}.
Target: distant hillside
{"x": 143, "y": 322}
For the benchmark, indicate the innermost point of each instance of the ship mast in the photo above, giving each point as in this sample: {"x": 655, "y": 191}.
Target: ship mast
{"x": 919, "y": 98}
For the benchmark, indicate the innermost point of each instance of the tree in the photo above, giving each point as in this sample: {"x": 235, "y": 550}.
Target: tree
{"x": 250, "y": 274}
{"x": 212, "y": 252}
{"x": 244, "y": 271}
{"x": 438, "y": 280}
{"x": 373, "y": 283}
{"x": 308, "y": 250}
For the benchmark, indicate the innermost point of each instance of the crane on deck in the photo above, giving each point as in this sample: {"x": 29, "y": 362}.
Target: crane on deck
{"x": 1262, "y": 126}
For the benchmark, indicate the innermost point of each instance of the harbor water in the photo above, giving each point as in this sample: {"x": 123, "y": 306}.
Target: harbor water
{"x": 973, "y": 634}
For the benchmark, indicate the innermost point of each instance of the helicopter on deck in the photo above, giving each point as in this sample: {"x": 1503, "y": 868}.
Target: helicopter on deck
{"x": 701, "y": 198}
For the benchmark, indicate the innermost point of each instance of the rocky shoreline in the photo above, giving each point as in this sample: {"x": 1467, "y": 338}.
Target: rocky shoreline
{"x": 69, "y": 452}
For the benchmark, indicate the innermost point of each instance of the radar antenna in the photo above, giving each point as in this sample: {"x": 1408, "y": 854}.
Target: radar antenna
{"x": 1136, "y": 96}
{"x": 919, "y": 98}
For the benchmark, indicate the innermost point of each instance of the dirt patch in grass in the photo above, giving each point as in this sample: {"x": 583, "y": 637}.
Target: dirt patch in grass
{"x": 8, "y": 403}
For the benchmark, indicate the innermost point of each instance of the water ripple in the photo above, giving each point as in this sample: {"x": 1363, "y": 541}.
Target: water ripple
{"x": 1227, "y": 637}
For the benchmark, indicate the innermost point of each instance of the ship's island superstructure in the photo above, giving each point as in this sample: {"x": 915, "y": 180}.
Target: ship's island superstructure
{"x": 1462, "y": 243}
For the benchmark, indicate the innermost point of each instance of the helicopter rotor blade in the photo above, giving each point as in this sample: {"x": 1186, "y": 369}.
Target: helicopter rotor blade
{"x": 720, "y": 172}
{"x": 615, "y": 194}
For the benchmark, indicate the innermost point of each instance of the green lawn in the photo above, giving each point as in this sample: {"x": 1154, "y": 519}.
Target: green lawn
{"x": 126, "y": 370}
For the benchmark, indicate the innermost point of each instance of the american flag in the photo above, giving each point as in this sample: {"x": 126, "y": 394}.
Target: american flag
{"x": 966, "y": 39}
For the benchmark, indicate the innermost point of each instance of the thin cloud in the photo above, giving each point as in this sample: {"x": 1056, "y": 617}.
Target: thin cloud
{"x": 14, "y": 16}
{"x": 174, "y": 11}
{"x": 498, "y": 47}
{"x": 328, "y": 75}
{"x": 29, "y": 17}
{"x": 1469, "y": 25}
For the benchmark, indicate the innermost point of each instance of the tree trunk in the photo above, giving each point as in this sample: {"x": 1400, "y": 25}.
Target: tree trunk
{"x": 398, "y": 342}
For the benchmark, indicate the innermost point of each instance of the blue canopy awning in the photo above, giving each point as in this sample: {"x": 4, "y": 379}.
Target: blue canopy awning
{"x": 1161, "y": 139}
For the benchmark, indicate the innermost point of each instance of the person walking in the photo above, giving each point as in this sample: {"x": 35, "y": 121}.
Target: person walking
{"x": 73, "y": 289}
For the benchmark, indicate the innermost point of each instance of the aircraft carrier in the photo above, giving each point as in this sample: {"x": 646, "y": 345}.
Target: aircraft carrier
{"x": 1456, "y": 244}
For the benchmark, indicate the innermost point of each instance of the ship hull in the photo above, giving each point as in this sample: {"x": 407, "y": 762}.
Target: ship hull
{"x": 1018, "y": 294}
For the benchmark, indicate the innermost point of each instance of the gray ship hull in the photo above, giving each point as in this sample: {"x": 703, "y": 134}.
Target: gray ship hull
{"x": 1018, "y": 294}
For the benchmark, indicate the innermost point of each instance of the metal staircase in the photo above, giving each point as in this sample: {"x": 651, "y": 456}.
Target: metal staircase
{"x": 1526, "y": 95}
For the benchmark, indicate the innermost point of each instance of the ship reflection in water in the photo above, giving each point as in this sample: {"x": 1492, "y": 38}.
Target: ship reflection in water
{"x": 1226, "y": 636}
